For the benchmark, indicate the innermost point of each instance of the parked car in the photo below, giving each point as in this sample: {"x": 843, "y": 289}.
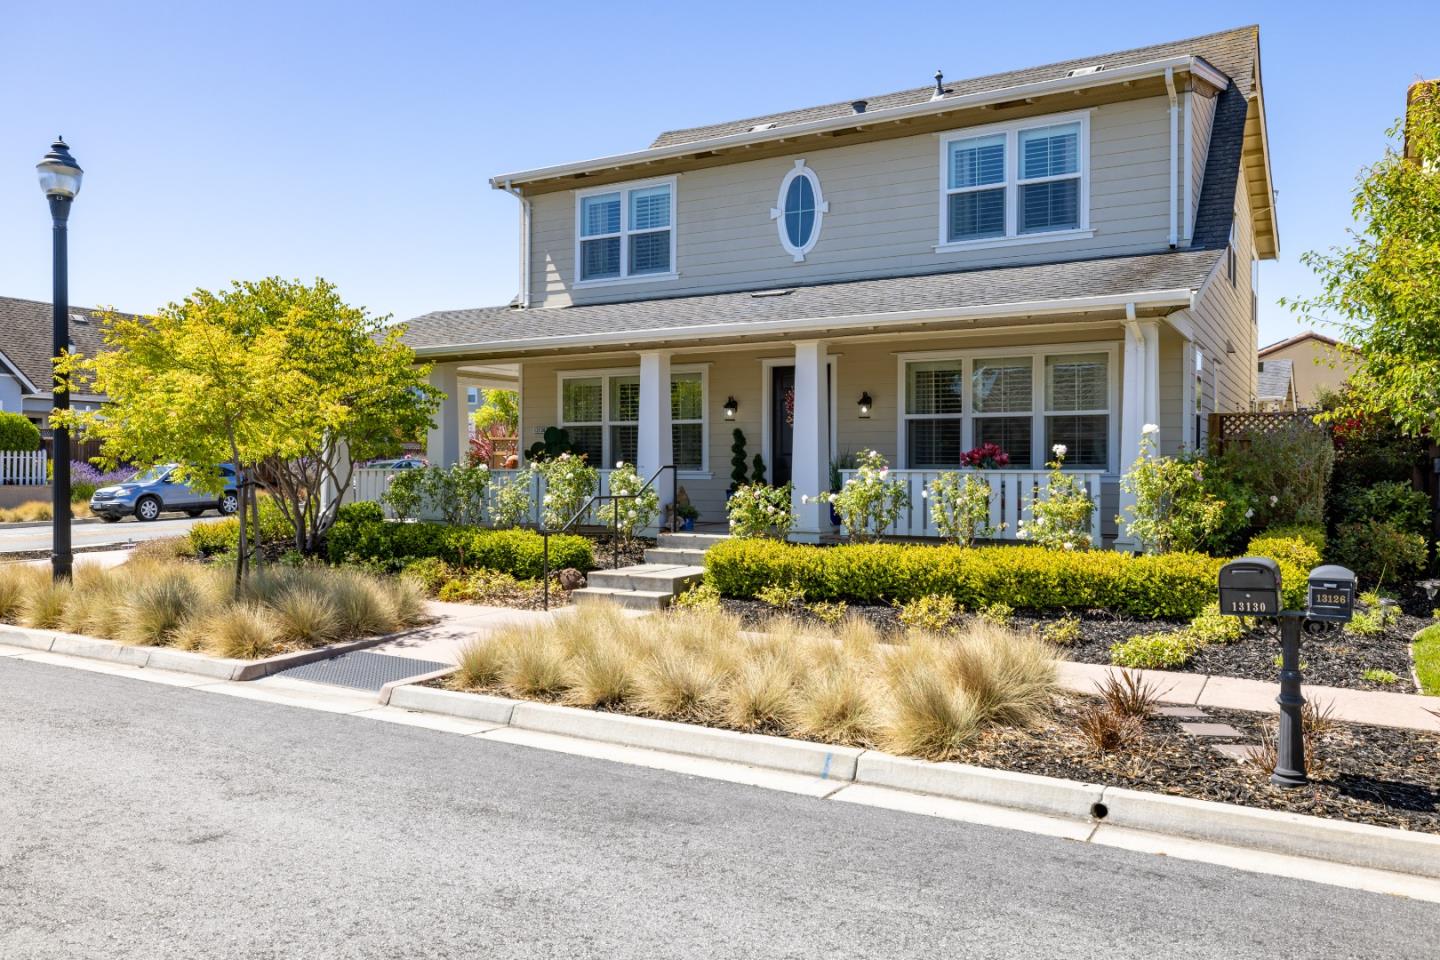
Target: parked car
{"x": 404, "y": 463}
{"x": 154, "y": 491}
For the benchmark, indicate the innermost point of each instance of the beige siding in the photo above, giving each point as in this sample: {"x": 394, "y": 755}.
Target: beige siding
{"x": 1202, "y": 117}
{"x": 1318, "y": 366}
{"x": 1224, "y": 318}
{"x": 1172, "y": 390}
{"x": 883, "y": 217}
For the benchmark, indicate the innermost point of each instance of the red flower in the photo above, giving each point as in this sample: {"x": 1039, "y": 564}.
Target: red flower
{"x": 987, "y": 456}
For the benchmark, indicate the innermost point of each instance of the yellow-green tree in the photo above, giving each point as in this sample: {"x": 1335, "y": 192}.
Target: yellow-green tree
{"x": 280, "y": 377}
{"x": 1383, "y": 289}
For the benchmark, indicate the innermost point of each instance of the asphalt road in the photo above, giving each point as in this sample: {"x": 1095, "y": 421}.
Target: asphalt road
{"x": 129, "y": 530}
{"x": 145, "y": 821}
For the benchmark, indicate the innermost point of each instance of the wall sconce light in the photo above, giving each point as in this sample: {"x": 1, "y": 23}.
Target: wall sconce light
{"x": 865, "y": 403}
{"x": 730, "y": 407}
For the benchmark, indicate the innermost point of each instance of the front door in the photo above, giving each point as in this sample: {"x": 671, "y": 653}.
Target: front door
{"x": 782, "y": 424}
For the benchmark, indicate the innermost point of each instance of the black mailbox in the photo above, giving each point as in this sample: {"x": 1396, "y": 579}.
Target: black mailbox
{"x": 1332, "y": 594}
{"x": 1250, "y": 587}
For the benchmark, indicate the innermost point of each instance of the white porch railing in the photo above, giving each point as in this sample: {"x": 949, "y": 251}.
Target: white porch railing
{"x": 369, "y": 484}
{"x": 1012, "y": 497}
{"x": 22, "y": 467}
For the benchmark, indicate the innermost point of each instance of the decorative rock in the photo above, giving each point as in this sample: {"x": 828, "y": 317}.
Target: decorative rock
{"x": 1239, "y": 752}
{"x": 1210, "y": 730}
{"x": 570, "y": 579}
{"x": 1180, "y": 711}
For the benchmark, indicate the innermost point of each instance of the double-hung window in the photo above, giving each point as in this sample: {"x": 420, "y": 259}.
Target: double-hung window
{"x": 626, "y": 232}
{"x": 601, "y": 415}
{"x": 1015, "y": 181}
{"x": 1022, "y": 400}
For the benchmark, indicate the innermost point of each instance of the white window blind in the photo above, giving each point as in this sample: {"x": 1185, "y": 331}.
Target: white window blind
{"x": 625, "y": 233}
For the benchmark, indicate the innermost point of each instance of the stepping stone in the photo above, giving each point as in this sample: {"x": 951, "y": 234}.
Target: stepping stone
{"x": 1210, "y": 730}
{"x": 1239, "y": 752}
{"x": 1180, "y": 711}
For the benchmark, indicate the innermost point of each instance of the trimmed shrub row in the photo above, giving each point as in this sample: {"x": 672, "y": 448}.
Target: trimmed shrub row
{"x": 363, "y": 535}
{"x": 1173, "y": 585}
{"x": 217, "y": 536}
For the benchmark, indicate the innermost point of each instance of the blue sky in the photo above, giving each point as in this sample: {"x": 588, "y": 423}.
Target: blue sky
{"x": 354, "y": 141}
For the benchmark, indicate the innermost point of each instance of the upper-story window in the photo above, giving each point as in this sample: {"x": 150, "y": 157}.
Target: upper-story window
{"x": 626, "y": 232}
{"x": 799, "y": 211}
{"x": 1016, "y": 182}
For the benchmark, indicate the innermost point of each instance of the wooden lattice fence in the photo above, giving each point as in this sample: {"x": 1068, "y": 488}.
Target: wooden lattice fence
{"x": 1257, "y": 424}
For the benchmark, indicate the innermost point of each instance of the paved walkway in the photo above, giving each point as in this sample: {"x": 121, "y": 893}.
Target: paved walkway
{"x": 1357, "y": 706}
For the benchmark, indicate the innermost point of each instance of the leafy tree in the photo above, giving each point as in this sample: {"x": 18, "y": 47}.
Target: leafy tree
{"x": 18, "y": 433}
{"x": 1383, "y": 290}
{"x": 280, "y": 377}
{"x": 500, "y": 409}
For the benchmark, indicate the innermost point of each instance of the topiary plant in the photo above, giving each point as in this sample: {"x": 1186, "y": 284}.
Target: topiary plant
{"x": 757, "y": 470}
{"x": 738, "y": 476}
{"x": 18, "y": 433}
{"x": 556, "y": 442}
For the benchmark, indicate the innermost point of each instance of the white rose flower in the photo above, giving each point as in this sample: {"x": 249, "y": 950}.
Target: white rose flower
{"x": 1059, "y": 449}
{"x": 1249, "y": 514}
{"x": 805, "y": 498}
{"x": 1150, "y": 428}
{"x": 1068, "y": 545}
{"x": 1022, "y": 534}
{"x": 619, "y": 464}
{"x": 1274, "y": 499}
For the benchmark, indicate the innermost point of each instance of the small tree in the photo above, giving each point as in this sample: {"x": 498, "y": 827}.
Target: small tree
{"x": 738, "y": 476}
{"x": 279, "y": 377}
{"x": 1061, "y": 518}
{"x": 569, "y": 482}
{"x": 870, "y": 501}
{"x": 497, "y": 418}
{"x": 1383, "y": 290}
{"x": 18, "y": 433}
{"x": 629, "y": 517}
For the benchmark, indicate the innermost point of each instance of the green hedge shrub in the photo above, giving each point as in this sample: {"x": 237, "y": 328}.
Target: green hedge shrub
{"x": 18, "y": 433}
{"x": 363, "y": 536}
{"x": 1379, "y": 551}
{"x": 1297, "y": 548}
{"x": 1028, "y": 578}
{"x": 217, "y": 536}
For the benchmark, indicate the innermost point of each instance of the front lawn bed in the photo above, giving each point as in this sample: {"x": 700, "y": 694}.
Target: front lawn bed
{"x": 168, "y": 602}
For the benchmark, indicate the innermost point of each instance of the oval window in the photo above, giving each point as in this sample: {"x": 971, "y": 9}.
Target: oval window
{"x": 798, "y": 211}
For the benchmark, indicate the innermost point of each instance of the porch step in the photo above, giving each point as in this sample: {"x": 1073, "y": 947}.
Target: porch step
{"x": 691, "y": 541}
{"x": 647, "y": 577}
{"x": 692, "y": 556}
{"x": 629, "y": 599}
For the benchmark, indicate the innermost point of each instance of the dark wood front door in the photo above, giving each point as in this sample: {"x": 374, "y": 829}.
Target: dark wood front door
{"x": 782, "y": 424}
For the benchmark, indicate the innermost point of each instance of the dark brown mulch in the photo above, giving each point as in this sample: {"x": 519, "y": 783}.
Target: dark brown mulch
{"x": 1333, "y": 659}
{"x": 1367, "y": 774}
{"x": 631, "y": 551}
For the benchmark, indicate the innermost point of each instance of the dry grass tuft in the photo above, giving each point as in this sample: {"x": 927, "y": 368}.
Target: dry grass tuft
{"x": 532, "y": 667}
{"x": 18, "y": 581}
{"x": 1128, "y": 694}
{"x": 1107, "y": 730}
{"x": 43, "y": 604}
{"x": 306, "y": 616}
{"x": 157, "y": 606}
{"x": 247, "y": 631}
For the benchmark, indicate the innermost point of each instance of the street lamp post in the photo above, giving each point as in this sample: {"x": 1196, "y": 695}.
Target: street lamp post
{"x": 60, "y": 180}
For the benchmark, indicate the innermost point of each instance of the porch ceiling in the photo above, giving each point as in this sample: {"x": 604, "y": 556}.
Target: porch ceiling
{"x": 1153, "y": 282}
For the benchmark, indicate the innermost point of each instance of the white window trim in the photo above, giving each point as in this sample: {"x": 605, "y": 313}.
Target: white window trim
{"x": 1039, "y": 454}
{"x": 606, "y": 375}
{"x": 1011, "y": 131}
{"x": 625, "y": 233}
{"x": 777, "y": 212}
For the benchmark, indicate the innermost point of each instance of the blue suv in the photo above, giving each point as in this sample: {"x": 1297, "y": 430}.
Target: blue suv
{"x": 154, "y": 491}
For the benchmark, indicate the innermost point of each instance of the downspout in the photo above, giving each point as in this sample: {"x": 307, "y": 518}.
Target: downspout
{"x": 519, "y": 194}
{"x": 1174, "y": 156}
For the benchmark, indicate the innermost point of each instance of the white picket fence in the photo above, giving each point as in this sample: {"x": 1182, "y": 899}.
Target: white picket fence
{"x": 1013, "y": 494}
{"x": 369, "y": 484}
{"x": 23, "y": 467}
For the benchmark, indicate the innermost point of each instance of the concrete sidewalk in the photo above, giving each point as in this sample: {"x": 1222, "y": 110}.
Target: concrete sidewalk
{"x": 1407, "y": 710}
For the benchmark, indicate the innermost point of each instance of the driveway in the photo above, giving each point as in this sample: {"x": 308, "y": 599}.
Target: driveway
{"x": 141, "y": 821}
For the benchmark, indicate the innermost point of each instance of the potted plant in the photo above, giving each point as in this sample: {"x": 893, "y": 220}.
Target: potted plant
{"x": 987, "y": 456}
{"x": 687, "y": 514}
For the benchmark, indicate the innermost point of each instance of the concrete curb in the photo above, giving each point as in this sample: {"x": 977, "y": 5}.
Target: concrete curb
{"x": 179, "y": 661}
{"x": 1247, "y": 828}
{"x": 24, "y": 524}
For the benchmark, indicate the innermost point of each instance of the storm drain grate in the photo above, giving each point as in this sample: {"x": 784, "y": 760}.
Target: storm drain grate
{"x": 362, "y": 670}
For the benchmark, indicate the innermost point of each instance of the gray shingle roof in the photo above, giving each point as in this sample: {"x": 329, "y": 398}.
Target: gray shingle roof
{"x": 1274, "y": 379}
{"x": 656, "y": 319}
{"x": 25, "y": 337}
{"x": 1232, "y": 52}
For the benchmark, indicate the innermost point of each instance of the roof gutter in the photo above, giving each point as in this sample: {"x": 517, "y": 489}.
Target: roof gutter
{"x": 1174, "y": 152}
{"x": 1177, "y": 297}
{"x": 1153, "y": 68}
{"x": 518, "y": 194}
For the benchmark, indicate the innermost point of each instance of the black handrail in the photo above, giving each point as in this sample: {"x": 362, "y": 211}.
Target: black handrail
{"x": 614, "y": 520}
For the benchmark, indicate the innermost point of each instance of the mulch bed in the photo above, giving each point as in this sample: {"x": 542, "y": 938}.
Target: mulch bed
{"x": 1367, "y": 774}
{"x": 1333, "y": 659}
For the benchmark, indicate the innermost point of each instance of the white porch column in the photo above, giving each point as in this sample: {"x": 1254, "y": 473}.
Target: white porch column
{"x": 442, "y": 443}
{"x": 655, "y": 445}
{"x": 810, "y": 455}
{"x": 1139, "y": 405}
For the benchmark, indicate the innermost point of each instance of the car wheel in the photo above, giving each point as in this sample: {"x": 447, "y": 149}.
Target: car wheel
{"x": 147, "y": 509}
{"x": 229, "y": 504}
{"x": 108, "y": 518}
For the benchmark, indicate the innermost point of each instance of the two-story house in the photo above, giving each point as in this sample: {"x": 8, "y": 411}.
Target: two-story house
{"x": 1056, "y": 255}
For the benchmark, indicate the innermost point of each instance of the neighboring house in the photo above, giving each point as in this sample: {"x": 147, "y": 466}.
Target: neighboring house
{"x": 26, "y": 372}
{"x": 1319, "y": 364}
{"x": 1060, "y": 254}
{"x": 1275, "y": 386}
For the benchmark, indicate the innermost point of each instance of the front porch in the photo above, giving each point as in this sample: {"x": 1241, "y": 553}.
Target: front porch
{"x": 921, "y": 397}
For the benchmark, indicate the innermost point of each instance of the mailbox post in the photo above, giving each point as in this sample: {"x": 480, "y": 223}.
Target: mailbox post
{"x": 1251, "y": 588}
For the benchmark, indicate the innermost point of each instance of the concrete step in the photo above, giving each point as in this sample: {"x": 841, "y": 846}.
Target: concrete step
{"x": 691, "y": 556}
{"x": 647, "y": 577}
{"x": 628, "y": 599}
{"x": 691, "y": 541}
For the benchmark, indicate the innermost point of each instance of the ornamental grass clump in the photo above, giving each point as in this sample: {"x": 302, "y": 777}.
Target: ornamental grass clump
{"x": 926, "y": 695}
